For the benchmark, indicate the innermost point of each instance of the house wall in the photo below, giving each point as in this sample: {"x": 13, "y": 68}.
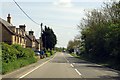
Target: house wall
{"x": 37, "y": 46}
{"x": 12, "y": 35}
{"x": 33, "y": 44}
{"x": 13, "y": 39}
{"x": 23, "y": 43}
{"x": 28, "y": 43}
{"x": 9, "y": 38}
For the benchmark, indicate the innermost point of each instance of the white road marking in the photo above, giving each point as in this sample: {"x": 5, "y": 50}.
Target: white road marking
{"x": 65, "y": 58}
{"x": 71, "y": 65}
{"x": 35, "y": 68}
{"x": 67, "y": 61}
{"x": 78, "y": 72}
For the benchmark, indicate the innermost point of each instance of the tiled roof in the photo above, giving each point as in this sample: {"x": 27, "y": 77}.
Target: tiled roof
{"x": 32, "y": 37}
{"x": 6, "y": 24}
{"x": 38, "y": 40}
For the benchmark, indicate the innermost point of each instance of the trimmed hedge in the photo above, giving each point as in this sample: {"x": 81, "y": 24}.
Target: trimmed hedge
{"x": 14, "y": 57}
{"x": 49, "y": 53}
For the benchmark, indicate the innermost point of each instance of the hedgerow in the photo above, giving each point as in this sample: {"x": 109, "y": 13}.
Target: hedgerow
{"x": 14, "y": 57}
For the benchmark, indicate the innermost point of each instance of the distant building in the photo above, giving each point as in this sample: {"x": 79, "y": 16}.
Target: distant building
{"x": 10, "y": 34}
{"x": 37, "y": 44}
{"x": 32, "y": 42}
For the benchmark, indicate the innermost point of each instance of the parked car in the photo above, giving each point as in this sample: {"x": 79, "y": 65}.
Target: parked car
{"x": 37, "y": 53}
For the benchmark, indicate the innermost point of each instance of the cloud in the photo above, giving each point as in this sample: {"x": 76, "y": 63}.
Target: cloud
{"x": 63, "y": 3}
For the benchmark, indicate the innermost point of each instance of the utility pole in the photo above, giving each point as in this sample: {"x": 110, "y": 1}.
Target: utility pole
{"x": 41, "y": 37}
{"x": 45, "y": 42}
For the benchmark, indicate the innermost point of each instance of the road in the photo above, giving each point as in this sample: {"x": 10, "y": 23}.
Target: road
{"x": 63, "y": 65}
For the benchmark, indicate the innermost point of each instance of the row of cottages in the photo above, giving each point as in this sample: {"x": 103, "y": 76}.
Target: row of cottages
{"x": 32, "y": 42}
{"x": 12, "y": 35}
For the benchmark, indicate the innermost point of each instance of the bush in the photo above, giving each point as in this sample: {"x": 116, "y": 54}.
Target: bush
{"x": 8, "y": 53}
{"x": 49, "y": 52}
{"x": 14, "y": 57}
{"x": 23, "y": 52}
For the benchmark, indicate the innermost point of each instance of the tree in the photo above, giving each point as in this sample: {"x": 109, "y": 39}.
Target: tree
{"x": 100, "y": 33}
{"x": 49, "y": 38}
{"x": 73, "y": 45}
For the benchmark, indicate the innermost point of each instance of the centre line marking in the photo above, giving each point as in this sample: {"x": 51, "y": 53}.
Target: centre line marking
{"x": 71, "y": 65}
{"x": 78, "y": 72}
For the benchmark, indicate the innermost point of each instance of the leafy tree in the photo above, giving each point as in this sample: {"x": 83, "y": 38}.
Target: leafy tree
{"x": 100, "y": 35}
{"x": 49, "y": 38}
{"x": 73, "y": 44}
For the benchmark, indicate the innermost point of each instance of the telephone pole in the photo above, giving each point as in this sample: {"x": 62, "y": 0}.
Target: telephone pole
{"x": 41, "y": 36}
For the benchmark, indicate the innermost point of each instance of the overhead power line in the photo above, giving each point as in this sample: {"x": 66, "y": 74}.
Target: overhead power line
{"x": 25, "y": 13}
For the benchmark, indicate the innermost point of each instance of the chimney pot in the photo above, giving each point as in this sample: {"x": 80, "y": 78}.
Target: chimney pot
{"x": 31, "y": 32}
{"x": 9, "y": 18}
{"x": 22, "y": 27}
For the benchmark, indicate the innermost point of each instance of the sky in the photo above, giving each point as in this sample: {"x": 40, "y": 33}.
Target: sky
{"x": 62, "y": 16}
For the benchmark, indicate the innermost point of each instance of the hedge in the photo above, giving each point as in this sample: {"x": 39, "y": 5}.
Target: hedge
{"x": 14, "y": 57}
{"x": 49, "y": 53}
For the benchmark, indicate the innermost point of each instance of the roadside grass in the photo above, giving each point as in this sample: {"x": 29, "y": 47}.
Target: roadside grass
{"x": 79, "y": 57}
{"x": 75, "y": 55}
{"x": 11, "y": 66}
{"x": 108, "y": 64}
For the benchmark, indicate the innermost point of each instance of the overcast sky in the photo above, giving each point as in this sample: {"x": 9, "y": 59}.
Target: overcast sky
{"x": 62, "y": 16}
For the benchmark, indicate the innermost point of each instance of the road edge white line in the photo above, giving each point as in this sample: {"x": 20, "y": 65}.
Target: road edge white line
{"x": 71, "y": 65}
{"x": 78, "y": 72}
{"x": 35, "y": 68}
{"x": 65, "y": 58}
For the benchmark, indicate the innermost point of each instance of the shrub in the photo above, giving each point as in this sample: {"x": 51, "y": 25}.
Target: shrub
{"x": 48, "y": 54}
{"x": 20, "y": 49}
{"x": 23, "y": 52}
{"x": 8, "y": 53}
{"x": 14, "y": 57}
{"x": 30, "y": 52}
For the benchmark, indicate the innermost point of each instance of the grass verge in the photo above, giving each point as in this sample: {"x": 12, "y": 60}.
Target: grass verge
{"x": 108, "y": 64}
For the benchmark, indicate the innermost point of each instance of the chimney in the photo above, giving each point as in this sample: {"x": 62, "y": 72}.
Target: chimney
{"x": 22, "y": 27}
{"x": 9, "y": 18}
{"x": 31, "y": 33}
